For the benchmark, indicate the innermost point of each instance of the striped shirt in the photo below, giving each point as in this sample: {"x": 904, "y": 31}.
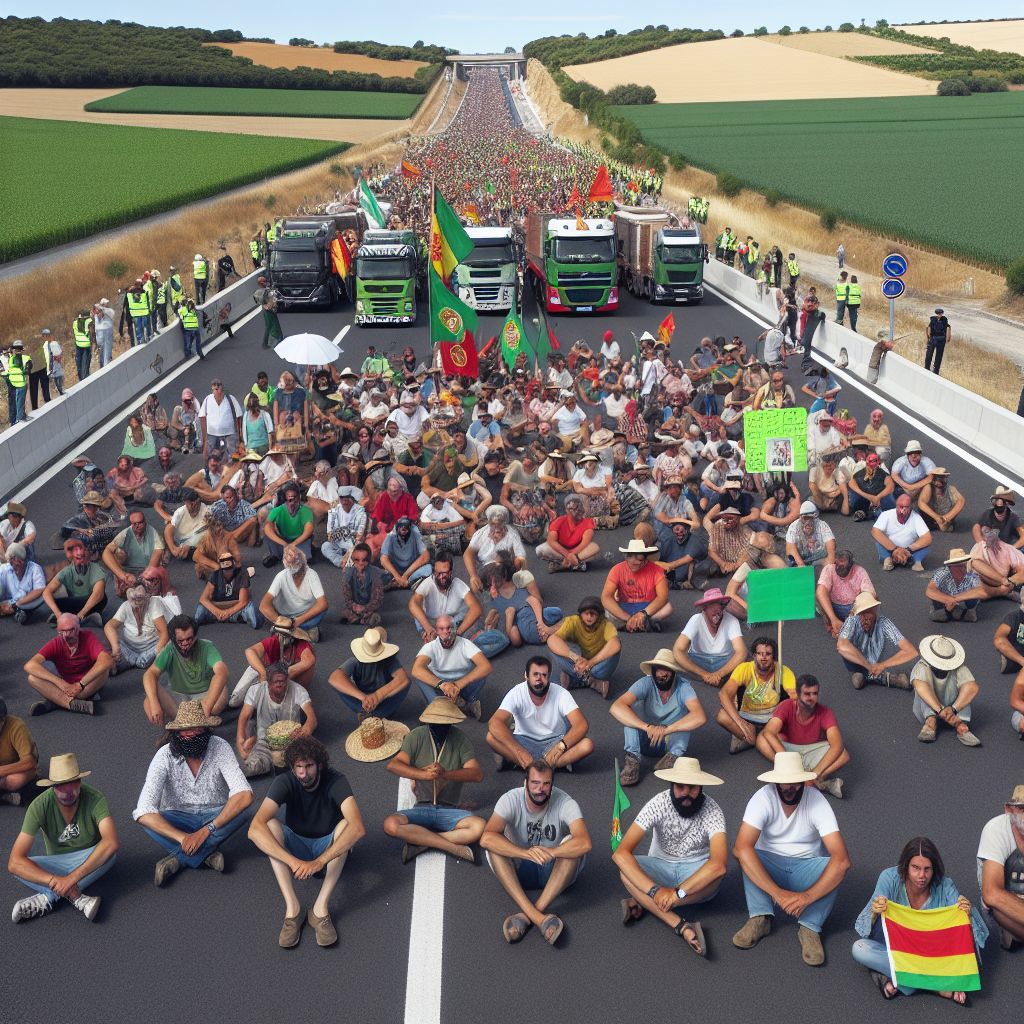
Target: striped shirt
{"x": 872, "y": 644}
{"x": 943, "y": 579}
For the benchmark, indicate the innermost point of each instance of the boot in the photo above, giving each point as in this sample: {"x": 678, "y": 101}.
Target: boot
{"x": 630, "y": 774}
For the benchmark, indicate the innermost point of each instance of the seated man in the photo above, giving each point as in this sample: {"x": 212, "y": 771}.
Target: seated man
{"x": 209, "y": 482}
{"x": 438, "y": 759}
{"x": 81, "y": 843}
{"x": 19, "y": 757}
{"x": 635, "y": 593}
{"x": 912, "y": 471}
{"x": 1002, "y": 517}
{"x": 1001, "y": 869}
{"x": 452, "y": 666}
{"x": 810, "y": 539}
{"x": 955, "y": 590}
{"x": 864, "y": 639}
{"x": 901, "y": 536}
{"x": 570, "y": 542}
{"x": 838, "y": 586}
{"x": 238, "y": 516}
{"x": 194, "y": 671}
{"x": 598, "y": 641}
{"x": 289, "y": 524}
{"x": 762, "y": 680}
{"x": 347, "y": 525}
{"x": 321, "y": 824}
{"x": 81, "y": 665}
{"x": 84, "y": 585}
{"x": 940, "y": 502}
{"x": 683, "y": 554}
{"x": 96, "y": 525}
{"x": 404, "y": 556}
{"x": 362, "y": 588}
{"x": 871, "y": 489}
{"x": 225, "y": 598}
{"x": 287, "y": 643}
{"x": 727, "y": 542}
{"x": 212, "y": 544}
{"x": 659, "y": 711}
{"x": 810, "y": 728}
{"x": 22, "y": 583}
{"x": 191, "y": 822}
{"x": 185, "y": 528}
{"x": 538, "y": 722}
{"x": 132, "y": 550}
{"x": 536, "y": 839}
{"x": 795, "y": 865}
{"x": 443, "y": 594}
{"x": 278, "y": 699}
{"x": 1009, "y": 640}
{"x": 486, "y": 544}
{"x": 944, "y": 689}
{"x": 372, "y": 681}
{"x": 297, "y": 593}
{"x": 999, "y": 565}
{"x": 711, "y": 644}
{"x": 688, "y": 857}
{"x": 138, "y": 631}
{"x": 672, "y": 504}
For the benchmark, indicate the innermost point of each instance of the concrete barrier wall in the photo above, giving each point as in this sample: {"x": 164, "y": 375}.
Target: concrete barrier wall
{"x": 975, "y": 421}
{"x": 67, "y": 422}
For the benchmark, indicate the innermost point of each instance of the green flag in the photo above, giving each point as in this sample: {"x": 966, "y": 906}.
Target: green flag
{"x": 514, "y": 340}
{"x": 546, "y": 341}
{"x": 489, "y": 188}
{"x": 368, "y": 204}
{"x": 453, "y": 326}
{"x": 621, "y": 804}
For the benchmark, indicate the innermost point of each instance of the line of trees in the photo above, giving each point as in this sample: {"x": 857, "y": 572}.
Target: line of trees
{"x": 563, "y": 51}
{"x": 382, "y": 51}
{"x": 631, "y": 94}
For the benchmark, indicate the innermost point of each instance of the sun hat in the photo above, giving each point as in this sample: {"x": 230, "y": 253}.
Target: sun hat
{"x": 16, "y": 508}
{"x": 942, "y": 652}
{"x": 375, "y": 739}
{"x": 940, "y": 471}
{"x": 81, "y": 462}
{"x": 674, "y": 481}
{"x": 602, "y": 438}
{"x": 276, "y": 451}
{"x": 586, "y": 457}
{"x": 348, "y": 492}
{"x": 642, "y": 467}
{"x": 441, "y": 711}
{"x": 732, "y": 510}
{"x": 192, "y": 716}
{"x": 1003, "y": 494}
{"x": 808, "y": 508}
{"x": 788, "y": 769}
{"x": 465, "y": 480}
{"x": 647, "y": 336}
{"x": 638, "y": 547}
{"x": 956, "y": 556}
{"x": 226, "y": 556}
{"x": 63, "y": 769}
{"x": 663, "y": 659}
{"x": 712, "y": 596}
{"x": 863, "y": 602}
{"x": 912, "y": 446}
{"x": 372, "y": 646}
{"x": 284, "y": 624}
{"x": 95, "y": 498}
{"x": 251, "y": 456}
{"x": 1017, "y": 797}
{"x": 590, "y": 604}
{"x": 686, "y": 771}
{"x": 859, "y": 441}
{"x": 939, "y": 310}
{"x": 280, "y": 735}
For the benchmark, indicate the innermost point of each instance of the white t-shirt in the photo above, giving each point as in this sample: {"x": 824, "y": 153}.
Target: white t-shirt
{"x": 453, "y": 663}
{"x": 134, "y": 634}
{"x": 291, "y": 600}
{"x": 266, "y": 712}
{"x": 445, "y": 514}
{"x": 437, "y": 602}
{"x": 901, "y": 534}
{"x": 188, "y": 528}
{"x": 8, "y": 532}
{"x": 220, "y": 419}
{"x": 272, "y": 472}
{"x": 997, "y": 842}
{"x": 615, "y": 406}
{"x": 543, "y": 722}
{"x": 325, "y": 492}
{"x": 702, "y": 641}
{"x": 568, "y": 421}
{"x": 410, "y": 424}
{"x": 610, "y": 350}
{"x": 486, "y": 549}
{"x": 798, "y": 836}
{"x": 599, "y": 479}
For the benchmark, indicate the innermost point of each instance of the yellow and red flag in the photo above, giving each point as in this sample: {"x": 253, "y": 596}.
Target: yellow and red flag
{"x": 666, "y": 329}
{"x": 931, "y": 949}
{"x": 410, "y": 170}
{"x": 449, "y": 243}
{"x": 341, "y": 258}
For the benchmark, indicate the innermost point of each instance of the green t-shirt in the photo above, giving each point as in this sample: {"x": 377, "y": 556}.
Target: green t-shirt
{"x": 78, "y": 584}
{"x": 457, "y": 750}
{"x": 288, "y": 526}
{"x": 137, "y": 553}
{"x": 60, "y": 836}
{"x": 191, "y": 675}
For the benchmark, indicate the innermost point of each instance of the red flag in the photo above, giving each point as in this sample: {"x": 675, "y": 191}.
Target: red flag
{"x": 341, "y": 258}
{"x": 410, "y": 170}
{"x": 601, "y": 190}
{"x": 666, "y": 329}
{"x": 460, "y": 359}
{"x": 575, "y": 199}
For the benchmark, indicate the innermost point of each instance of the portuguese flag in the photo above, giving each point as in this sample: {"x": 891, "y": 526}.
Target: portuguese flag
{"x": 452, "y": 324}
{"x": 449, "y": 243}
{"x": 931, "y": 949}
{"x": 620, "y": 804}
{"x": 514, "y": 340}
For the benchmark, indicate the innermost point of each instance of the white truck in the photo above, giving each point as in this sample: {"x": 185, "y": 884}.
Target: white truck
{"x": 486, "y": 278}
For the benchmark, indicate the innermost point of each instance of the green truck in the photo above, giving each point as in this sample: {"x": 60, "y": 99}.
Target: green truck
{"x": 658, "y": 261}
{"x": 572, "y": 268}
{"x": 387, "y": 275}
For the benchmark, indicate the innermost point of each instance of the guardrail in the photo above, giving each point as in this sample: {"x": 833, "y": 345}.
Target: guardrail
{"x": 67, "y": 421}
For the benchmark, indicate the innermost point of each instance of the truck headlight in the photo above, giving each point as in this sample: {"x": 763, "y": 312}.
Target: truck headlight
{"x": 359, "y": 305}
{"x": 659, "y": 289}
{"x": 408, "y": 305}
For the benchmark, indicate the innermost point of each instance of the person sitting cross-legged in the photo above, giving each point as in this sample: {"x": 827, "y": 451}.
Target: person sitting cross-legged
{"x": 901, "y": 536}
{"x": 296, "y": 592}
{"x": 598, "y": 641}
{"x": 19, "y": 757}
{"x": 1001, "y": 869}
{"x": 81, "y": 666}
{"x": 225, "y": 598}
{"x": 762, "y": 680}
{"x": 452, "y": 666}
{"x": 138, "y": 631}
{"x": 955, "y": 590}
{"x": 570, "y": 542}
{"x": 372, "y": 681}
{"x": 711, "y": 645}
{"x": 864, "y": 639}
{"x": 944, "y": 689}
{"x": 288, "y": 643}
{"x": 194, "y": 671}
{"x": 635, "y": 592}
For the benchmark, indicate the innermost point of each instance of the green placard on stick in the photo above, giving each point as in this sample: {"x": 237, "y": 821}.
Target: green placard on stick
{"x": 780, "y": 595}
{"x": 775, "y": 440}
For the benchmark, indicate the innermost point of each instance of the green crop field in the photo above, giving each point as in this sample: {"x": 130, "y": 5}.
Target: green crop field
{"x": 120, "y": 174}
{"x": 182, "y": 99}
{"x": 943, "y": 171}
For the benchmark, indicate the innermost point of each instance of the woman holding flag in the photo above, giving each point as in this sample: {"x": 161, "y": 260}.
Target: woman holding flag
{"x": 925, "y": 948}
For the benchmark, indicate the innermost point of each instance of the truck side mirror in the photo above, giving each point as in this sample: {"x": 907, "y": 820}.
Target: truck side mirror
{"x": 707, "y": 256}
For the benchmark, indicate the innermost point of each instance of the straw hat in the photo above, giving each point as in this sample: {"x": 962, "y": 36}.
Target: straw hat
{"x": 1005, "y": 494}
{"x": 277, "y": 451}
{"x": 251, "y": 456}
{"x": 17, "y": 509}
{"x": 663, "y": 659}
{"x": 375, "y": 739}
{"x": 602, "y": 438}
{"x": 465, "y": 480}
{"x": 808, "y": 508}
{"x": 192, "y": 716}
{"x": 348, "y": 374}
{"x": 285, "y": 624}
{"x": 637, "y": 547}
{"x": 95, "y": 498}
{"x": 956, "y": 556}
{"x": 63, "y": 769}
{"x": 912, "y": 446}
{"x": 940, "y": 471}
{"x": 81, "y": 462}
{"x": 586, "y": 457}
{"x": 942, "y": 652}
{"x": 686, "y": 771}
{"x": 788, "y": 769}
{"x": 863, "y": 602}
{"x": 1017, "y": 797}
{"x": 712, "y": 596}
{"x": 442, "y": 712}
{"x": 732, "y": 510}
{"x": 674, "y": 481}
{"x": 372, "y": 647}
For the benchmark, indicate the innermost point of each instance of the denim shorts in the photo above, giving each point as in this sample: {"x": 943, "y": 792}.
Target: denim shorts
{"x": 436, "y": 818}
{"x": 535, "y": 876}
{"x": 305, "y": 847}
{"x": 672, "y": 874}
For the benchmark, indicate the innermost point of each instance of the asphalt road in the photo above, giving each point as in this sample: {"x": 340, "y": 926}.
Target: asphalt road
{"x": 205, "y": 947}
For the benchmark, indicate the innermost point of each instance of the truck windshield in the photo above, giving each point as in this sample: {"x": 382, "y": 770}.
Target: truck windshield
{"x": 490, "y": 255}
{"x": 584, "y": 250}
{"x": 383, "y": 269}
{"x": 680, "y": 253}
{"x": 283, "y": 260}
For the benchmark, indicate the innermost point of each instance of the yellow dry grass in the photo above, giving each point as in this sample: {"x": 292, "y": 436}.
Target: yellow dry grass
{"x": 844, "y": 44}
{"x": 277, "y": 55}
{"x": 1007, "y": 36}
{"x": 727, "y": 70}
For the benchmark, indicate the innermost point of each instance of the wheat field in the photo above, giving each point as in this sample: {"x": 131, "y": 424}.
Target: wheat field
{"x": 277, "y": 55}
{"x": 844, "y": 44}
{"x": 1007, "y": 36}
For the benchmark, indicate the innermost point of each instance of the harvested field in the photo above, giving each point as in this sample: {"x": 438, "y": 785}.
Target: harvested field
{"x": 844, "y": 44}
{"x": 711, "y": 72}
{"x": 277, "y": 55}
{"x": 1007, "y": 36}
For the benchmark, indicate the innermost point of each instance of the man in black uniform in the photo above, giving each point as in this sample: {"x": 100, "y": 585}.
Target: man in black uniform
{"x": 937, "y": 334}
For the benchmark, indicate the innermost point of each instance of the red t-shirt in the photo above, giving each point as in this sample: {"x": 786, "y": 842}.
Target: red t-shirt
{"x": 570, "y": 534}
{"x": 795, "y": 731}
{"x": 272, "y": 650}
{"x": 636, "y": 588}
{"x": 71, "y": 667}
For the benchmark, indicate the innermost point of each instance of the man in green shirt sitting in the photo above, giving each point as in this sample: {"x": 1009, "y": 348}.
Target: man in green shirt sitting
{"x": 84, "y": 586}
{"x": 288, "y": 523}
{"x": 136, "y": 548}
{"x": 194, "y": 670}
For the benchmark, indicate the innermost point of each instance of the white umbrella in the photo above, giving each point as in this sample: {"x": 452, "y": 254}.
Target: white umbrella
{"x": 307, "y": 350}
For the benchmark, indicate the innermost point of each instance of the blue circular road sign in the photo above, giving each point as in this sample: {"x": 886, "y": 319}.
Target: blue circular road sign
{"x": 894, "y": 265}
{"x": 893, "y": 287}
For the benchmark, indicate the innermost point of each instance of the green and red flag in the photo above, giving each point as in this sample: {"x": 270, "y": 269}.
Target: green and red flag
{"x": 620, "y": 804}
{"x": 452, "y": 327}
{"x": 931, "y": 949}
{"x": 601, "y": 190}
{"x": 449, "y": 243}
{"x": 514, "y": 340}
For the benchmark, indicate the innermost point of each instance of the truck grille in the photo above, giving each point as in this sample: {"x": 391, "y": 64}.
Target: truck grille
{"x": 479, "y": 275}
{"x": 585, "y": 296}
{"x": 682, "y": 276}
{"x": 383, "y": 289}
{"x": 592, "y": 277}
{"x": 488, "y": 293}
{"x": 384, "y": 307}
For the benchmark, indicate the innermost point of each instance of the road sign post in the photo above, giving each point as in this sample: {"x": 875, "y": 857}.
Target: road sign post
{"x": 894, "y": 266}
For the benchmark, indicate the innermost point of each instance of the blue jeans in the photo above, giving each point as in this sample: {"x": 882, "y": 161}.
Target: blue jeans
{"x": 83, "y": 360}
{"x": 709, "y": 662}
{"x": 602, "y": 670}
{"x": 420, "y": 574}
{"x": 526, "y": 620}
{"x": 874, "y": 956}
{"x": 19, "y": 403}
{"x": 797, "y": 874}
{"x": 437, "y": 819}
{"x": 62, "y": 864}
{"x": 192, "y": 337}
{"x": 105, "y": 344}
{"x": 306, "y": 547}
{"x": 535, "y": 876}
{"x": 385, "y": 709}
{"x": 248, "y": 615}
{"x": 142, "y": 329}
{"x": 859, "y": 504}
{"x": 190, "y": 821}
{"x": 469, "y": 693}
{"x": 305, "y": 847}
{"x": 672, "y": 874}
{"x": 637, "y": 743}
{"x": 492, "y": 642}
{"x": 918, "y": 556}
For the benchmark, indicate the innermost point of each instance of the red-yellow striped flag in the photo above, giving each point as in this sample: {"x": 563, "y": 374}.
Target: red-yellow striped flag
{"x": 931, "y": 949}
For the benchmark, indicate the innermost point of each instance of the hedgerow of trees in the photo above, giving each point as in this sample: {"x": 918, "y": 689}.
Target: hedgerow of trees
{"x": 382, "y": 51}
{"x": 562, "y": 51}
{"x": 631, "y": 94}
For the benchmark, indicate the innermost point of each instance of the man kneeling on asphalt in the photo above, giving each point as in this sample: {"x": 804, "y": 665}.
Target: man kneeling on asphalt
{"x": 863, "y": 640}
{"x": 536, "y": 839}
{"x": 278, "y": 699}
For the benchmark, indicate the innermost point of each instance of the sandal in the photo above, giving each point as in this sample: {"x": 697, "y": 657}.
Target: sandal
{"x": 697, "y": 944}
{"x": 631, "y": 910}
{"x": 964, "y": 1000}
{"x": 555, "y": 924}
{"x": 882, "y": 983}
{"x": 515, "y": 926}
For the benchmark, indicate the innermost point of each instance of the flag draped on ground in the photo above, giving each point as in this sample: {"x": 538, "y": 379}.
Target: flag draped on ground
{"x": 620, "y": 804}
{"x": 368, "y": 204}
{"x": 449, "y": 243}
{"x": 931, "y": 949}
{"x": 452, "y": 328}
{"x": 601, "y": 190}
{"x": 666, "y": 329}
{"x": 514, "y": 340}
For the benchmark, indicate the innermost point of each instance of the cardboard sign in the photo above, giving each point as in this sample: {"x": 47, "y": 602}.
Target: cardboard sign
{"x": 775, "y": 440}
{"x": 780, "y": 595}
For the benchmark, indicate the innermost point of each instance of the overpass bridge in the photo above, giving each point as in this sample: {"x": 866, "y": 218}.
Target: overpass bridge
{"x": 513, "y": 64}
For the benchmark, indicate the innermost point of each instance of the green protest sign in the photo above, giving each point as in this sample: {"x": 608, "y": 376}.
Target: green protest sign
{"x": 775, "y": 440}
{"x": 780, "y": 595}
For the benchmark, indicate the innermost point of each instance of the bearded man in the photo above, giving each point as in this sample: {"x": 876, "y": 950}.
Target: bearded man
{"x": 194, "y": 671}
{"x": 451, "y": 666}
{"x": 1001, "y": 869}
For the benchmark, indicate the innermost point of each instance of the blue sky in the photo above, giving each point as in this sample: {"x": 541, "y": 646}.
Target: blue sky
{"x": 482, "y": 27}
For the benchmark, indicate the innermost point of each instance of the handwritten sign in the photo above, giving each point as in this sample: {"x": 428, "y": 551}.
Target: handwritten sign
{"x": 780, "y": 595}
{"x": 775, "y": 440}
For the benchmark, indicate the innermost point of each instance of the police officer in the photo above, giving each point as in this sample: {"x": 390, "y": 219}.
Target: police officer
{"x": 936, "y": 336}
{"x": 842, "y": 297}
{"x": 190, "y": 328}
{"x": 177, "y": 290}
{"x": 137, "y": 304}
{"x": 853, "y": 302}
{"x": 200, "y": 275}
{"x": 722, "y": 245}
{"x": 256, "y": 251}
{"x": 793, "y": 269}
{"x": 160, "y": 291}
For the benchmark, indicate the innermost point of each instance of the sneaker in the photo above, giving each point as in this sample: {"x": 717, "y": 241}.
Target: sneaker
{"x": 859, "y": 516}
{"x": 314, "y": 634}
{"x": 582, "y": 567}
{"x": 737, "y": 745}
{"x": 237, "y": 698}
{"x": 82, "y": 707}
{"x": 928, "y": 732}
{"x": 833, "y": 786}
{"x": 917, "y": 567}
{"x": 970, "y": 615}
{"x": 166, "y": 868}
{"x": 215, "y": 862}
{"x": 291, "y": 931}
{"x": 88, "y": 905}
{"x": 887, "y": 565}
{"x": 811, "y": 947}
{"x": 666, "y": 762}
{"x": 14, "y": 799}
{"x": 756, "y": 928}
{"x": 326, "y": 935}
{"x": 475, "y": 709}
{"x": 410, "y": 851}
{"x": 630, "y": 773}
{"x": 939, "y": 615}
{"x": 654, "y": 625}
{"x": 968, "y": 739}
{"x": 372, "y": 620}
{"x": 859, "y": 680}
{"x": 897, "y": 680}
{"x": 31, "y": 906}
{"x": 269, "y": 561}
{"x": 41, "y": 707}
{"x": 600, "y": 686}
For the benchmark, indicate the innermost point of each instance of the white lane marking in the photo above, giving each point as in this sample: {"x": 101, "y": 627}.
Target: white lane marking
{"x": 996, "y": 474}
{"x": 117, "y": 421}
{"x": 341, "y": 334}
{"x": 426, "y": 931}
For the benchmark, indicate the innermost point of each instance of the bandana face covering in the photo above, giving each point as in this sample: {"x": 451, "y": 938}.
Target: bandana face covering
{"x": 194, "y": 746}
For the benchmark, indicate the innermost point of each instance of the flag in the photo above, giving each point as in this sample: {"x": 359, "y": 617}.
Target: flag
{"x": 452, "y": 324}
{"x": 620, "y": 804}
{"x": 601, "y": 190}
{"x": 410, "y": 170}
{"x": 514, "y": 340}
{"x": 575, "y": 199}
{"x": 471, "y": 213}
{"x": 368, "y": 204}
{"x": 449, "y": 243}
{"x": 489, "y": 188}
{"x": 513, "y": 177}
{"x": 931, "y": 949}
{"x": 666, "y": 329}
{"x": 581, "y": 224}
{"x": 341, "y": 258}
{"x": 546, "y": 340}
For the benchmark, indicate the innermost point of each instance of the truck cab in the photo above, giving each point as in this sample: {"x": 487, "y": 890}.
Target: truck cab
{"x": 574, "y": 269}
{"x": 387, "y": 268}
{"x": 679, "y": 258}
{"x": 487, "y": 277}
{"x": 300, "y": 268}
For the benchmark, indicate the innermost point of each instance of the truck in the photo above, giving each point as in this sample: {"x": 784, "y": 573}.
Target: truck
{"x": 300, "y": 268}
{"x": 573, "y": 269}
{"x": 659, "y": 261}
{"x": 487, "y": 278}
{"x": 387, "y": 274}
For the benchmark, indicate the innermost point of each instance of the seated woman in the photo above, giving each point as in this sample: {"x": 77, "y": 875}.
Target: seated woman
{"x": 515, "y": 604}
{"x": 138, "y": 440}
{"x": 781, "y": 508}
{"x": 918, "y": 880}
{"x": 257, "y": 427}
{"x": 154, "y": 416}
{"x": 127, "y": 480}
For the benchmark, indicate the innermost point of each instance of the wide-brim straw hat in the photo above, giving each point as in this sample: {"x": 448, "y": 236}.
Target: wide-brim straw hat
{"x": 940, "y": 471}
{"x": 863, "y": 602}
{"x": 348, "y": 373}
{"x": 1005, "y": 494}
{"x": 63, "y": 769}
{"x": 375, "y": 739}
{"x": 602, "y": 438}
{"x": 663, "y": 659}
{"x": 442, "y": 711}
{"x": 465, "y": 480}
{"x": 637, "y": 547}
{"x": 942, "y": 652}
{"x": 956, "y": 556}
{"x": 284, "y": 624}
{"x": 788, "y": 769}
{"x": 251, "y": 456}
{"x": 192, "y": 716}
{"x": 95, "y": 498}
{"x": 712, "y": 596}
{"x": 686, "y": 771}
{"x": 372, "y": 647}
{"x": 586, "y": 457}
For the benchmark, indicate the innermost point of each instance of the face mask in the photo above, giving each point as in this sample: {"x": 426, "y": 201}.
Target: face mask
{"x": 687, "y": 807}
{"x": 790, "y": 803}
{"x": 664, "y": 684}
{"x": 439, "y": 733}
{"x": 193, "y": 747}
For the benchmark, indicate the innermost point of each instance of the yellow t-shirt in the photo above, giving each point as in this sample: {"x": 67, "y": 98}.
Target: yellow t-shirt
{"x": 590, "y": 641}
{"x": 760, "y": 697}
